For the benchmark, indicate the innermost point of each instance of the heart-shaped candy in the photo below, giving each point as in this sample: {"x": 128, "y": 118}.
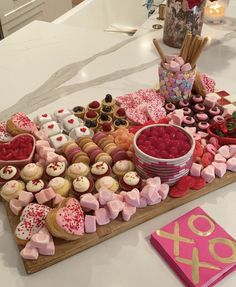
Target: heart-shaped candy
{"x": 51, "y": 126}
{"x": 44, "y": 115}
{"x": 59, "y": 138}
{"x": 70, "y": 121}
{"x": 60, "y": 111}
{"x": 83, "y": 130}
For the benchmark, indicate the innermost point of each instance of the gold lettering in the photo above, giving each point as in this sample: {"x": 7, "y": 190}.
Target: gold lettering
{"x": 230, "y": 243}
{"x": 198, "y": 232}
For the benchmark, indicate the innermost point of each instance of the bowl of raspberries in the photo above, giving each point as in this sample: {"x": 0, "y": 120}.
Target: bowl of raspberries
{"x": 163, "y": 150}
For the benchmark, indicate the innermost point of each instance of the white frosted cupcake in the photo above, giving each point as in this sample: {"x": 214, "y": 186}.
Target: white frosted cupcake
{"x": 82, "y": 185}
{"x": 121, "y": 167}
{"x": 60, "y": 185}
{"x": 35, "y": 185}
{"x": 108, "y": 182}
{"x": 7, "y": 173}
{"x": 130, "y": 181}
{"x": 100, "y": 169}
{"x": 11, "y": 189}
{"x": 31, "y": 171}
{"x": 55, "y": 169}
{"x": 78, "y": 169}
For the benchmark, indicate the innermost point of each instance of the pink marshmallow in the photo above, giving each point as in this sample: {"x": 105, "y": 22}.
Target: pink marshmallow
{"x": 177, "y": 116}
{"x": 211, "y": 149}
{"x": 210, "y": 101}
{"x": 232, "y": 150}
{"x": 128, "y": 211}
{"x": 164, "y": 190}
{"x": 191, "y": 130}
{"x": 220, "y": 168}
{"x": 105, "y": 195}
{"x": 115, "y": 207}
{"x": 196, "y": 169}
{"x": 41, "y": 134}
{"x": 40, "y": 240}
{"x": 90, "y": 223}
{"x": 16, "y": 206}
{"x": 49, "y": 249}
{"x": 174, "y": 66}
{"x": 214, "y": 141}
{"x": 180, "y": 61}
{"x": 133, "y": 197}
{"x": 118, "y": 197}
{"x": 224, "y": 151}
{"x": 102, "y": 216}
{"x": 150, "y": 192}
{"x": 51, "y": 157}
{"x": 202, "y": 134}
{"x": 155, "y": 181}
{"x": 208, "y": 173}
{"x": 29, "y": 252}
{"x": 44, "y": 150}
{"x": 219, "y": 158}
{"x": 45, "y": 195}
{"x": 41, "y": 143}
{"x": 231, "y": 164}
{"x": 44, "y": 230}
{"x": 25, "y": 197}
{"x": 142, "y": 202}
{"x": 89, "y": 201}
{"x": 57, "y": 199}
{"x": 186, "y": 67}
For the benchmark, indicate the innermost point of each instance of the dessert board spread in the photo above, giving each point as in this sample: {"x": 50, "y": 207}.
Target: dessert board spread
{"x": 72, "y": 178}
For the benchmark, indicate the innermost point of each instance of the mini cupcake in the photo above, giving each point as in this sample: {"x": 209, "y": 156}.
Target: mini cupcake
{"x": 108, "y": 182}
{"x": 108, "y": 110}
{"x": 183, "y": 103}
{"x": 188, "y": 121}
{"x": 100, "y": 169}
{"x": 187, "y": 111}
{"x": 130, "y": 181}
{"x": 121, "y": 123}
{"x": 120, "y": 114}
{"x": 35, "y": 185}
{"x": 11, "y": 189}
{"x": 77, "y": 169}
{"x": 169, "y": 107}
{"x": 93, "y": 125}
{"x": 215, "y": 111}
{"x": 82, "y": 185}
{"x": 196, "y": 99}
{"x": 199, "y": 108}
{"x": 201, "y": 117}
{"x": 203, "y": 126}
{"x": 104, "y": 118}
{"x": 60, "y": 185}
{"x": 108, "y": 101}
{"x": 7, "y": 173}
{"x": 107, "y": 128}
{"x": 121, "y": 167}
{"x": 31, "y": 171}
{"x": 94, "y": 106}
{"x": 55, "y": 169}
{"x": 91, "y": 115}
{"x": 79, "y": 111}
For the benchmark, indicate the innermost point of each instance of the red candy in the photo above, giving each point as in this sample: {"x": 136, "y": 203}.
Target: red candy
{"x": 91, "y": 114}
{"x": 199, "y": 183}
{"x": 207, "y": 159}
{"x": 175, "y": 192}
{"x": 186, "y": 183}
{"x": 94, "y": 105}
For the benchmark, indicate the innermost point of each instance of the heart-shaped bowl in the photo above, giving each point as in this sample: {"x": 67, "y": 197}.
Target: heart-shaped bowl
{"x": 222, "y": 140}
{"x": 18, "y": 162}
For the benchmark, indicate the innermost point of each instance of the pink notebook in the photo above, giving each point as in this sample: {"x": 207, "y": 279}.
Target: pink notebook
{"x": 200, "y": 251}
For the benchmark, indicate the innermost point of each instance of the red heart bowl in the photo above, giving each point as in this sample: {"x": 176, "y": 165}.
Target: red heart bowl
{"x": 18, "y": 152}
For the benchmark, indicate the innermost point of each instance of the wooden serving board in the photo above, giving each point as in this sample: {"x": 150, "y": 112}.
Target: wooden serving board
{"x": 65, "y": 249}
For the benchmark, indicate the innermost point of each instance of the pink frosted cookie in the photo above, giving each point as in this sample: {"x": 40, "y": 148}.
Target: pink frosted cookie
{"x": 20, "y": 123}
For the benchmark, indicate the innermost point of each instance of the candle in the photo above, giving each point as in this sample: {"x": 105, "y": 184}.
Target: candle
{"x": 214, "y": 12}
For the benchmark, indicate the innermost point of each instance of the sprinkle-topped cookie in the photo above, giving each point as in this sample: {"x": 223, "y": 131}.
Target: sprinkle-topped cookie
{"x": 4, "y": 135}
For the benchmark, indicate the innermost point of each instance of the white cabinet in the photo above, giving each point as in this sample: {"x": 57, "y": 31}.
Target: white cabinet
{"x": 15, "y": 14}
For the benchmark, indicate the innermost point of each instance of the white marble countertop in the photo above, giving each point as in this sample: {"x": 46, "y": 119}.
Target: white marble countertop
{"x": 45, "y": 66}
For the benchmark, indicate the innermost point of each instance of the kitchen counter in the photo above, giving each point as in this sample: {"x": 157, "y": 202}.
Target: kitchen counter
{"x": 45, "y": 66}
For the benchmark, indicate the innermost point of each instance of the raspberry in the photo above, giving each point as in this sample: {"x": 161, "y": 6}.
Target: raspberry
{"x": 175, "y": 192}
{"x": 185, "y": 183}
{"x": 94, "y": 105}
{"x": 120, "y": 112}
{"x": 91, "y": 114}
{"x": 199, "y": 183}
{"x": 106, "y": 127}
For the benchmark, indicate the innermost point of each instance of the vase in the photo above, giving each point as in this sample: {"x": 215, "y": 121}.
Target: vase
{"x": 181, "y": 18}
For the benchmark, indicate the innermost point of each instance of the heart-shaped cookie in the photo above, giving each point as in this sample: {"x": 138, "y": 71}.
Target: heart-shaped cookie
{"x": 18, "y": 152}
{"x": 31, "y": 221}
{"x": 67, "y": 220}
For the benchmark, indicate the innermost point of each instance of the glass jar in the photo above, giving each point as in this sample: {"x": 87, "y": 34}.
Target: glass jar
{"x": 215, "y": 11}
{"x": 181, "y": 18}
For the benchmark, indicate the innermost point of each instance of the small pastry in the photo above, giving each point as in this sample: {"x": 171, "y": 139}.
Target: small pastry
{"x": 43, "y": 118}
{"x": 19, "y": 123}
{"x": 31, "y": 171}
{"x": 82, "y": 132}
{"x": 187, "y": 111}
{"x": 107, "y": 128}
{"x": 58, "y": 141}
{"x": 104, "y": 118}
{"x": 121, "y": 123}
{"x": 169, "y": 107}
{"x": 130, "y": 181}
{"x": 108, "y": 110}
{"x": 60, "y": 185}
{"x": 199, "y": 108}
{"x": 79, "y": 111}
{"x": 82, "y": 185}
{"x": 121, "y": 167}
{"x": 107, "y": 182}
{"x": 196, "y": 99}
{"x": 11, "y": 189}
{"x": 200, "y": 117}
{"x": 100, "y": 169}
{"x": 78, "y": 169}
{"x": 35, "y": 185}
{"x": 55, "y": 169}
{"x": 4, "y": 135}
{"x": 7, "y": 173}
{"x": 93, "y": 125}
{"x": 94, "y": 106}
{"x": 61, "y": 114}
{"x": 188, "y": 121}
{"x": 71, "y": 122}
{"x": 215, "y": 111}
{"x": 91, "y": 115}
{"x": 203, "y": 126}
{"x": 52, "y": 128}
{"x": 108, "y": 101}
{"x": 183, "y": 103}
{"x": 120, "y": 114}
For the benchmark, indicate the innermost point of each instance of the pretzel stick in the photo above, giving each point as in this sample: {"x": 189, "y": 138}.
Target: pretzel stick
{"x": 159, "y": 49}
{"x": 192, "y": 47}
{"x": 183, "y": 45}
{"x": 199, "y": 51}
{"x": 186, "y": 48}
{"x": 195, "y": 49}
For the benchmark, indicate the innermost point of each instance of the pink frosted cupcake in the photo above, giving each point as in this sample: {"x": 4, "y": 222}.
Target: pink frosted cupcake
{"x": 188, "y": 122}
